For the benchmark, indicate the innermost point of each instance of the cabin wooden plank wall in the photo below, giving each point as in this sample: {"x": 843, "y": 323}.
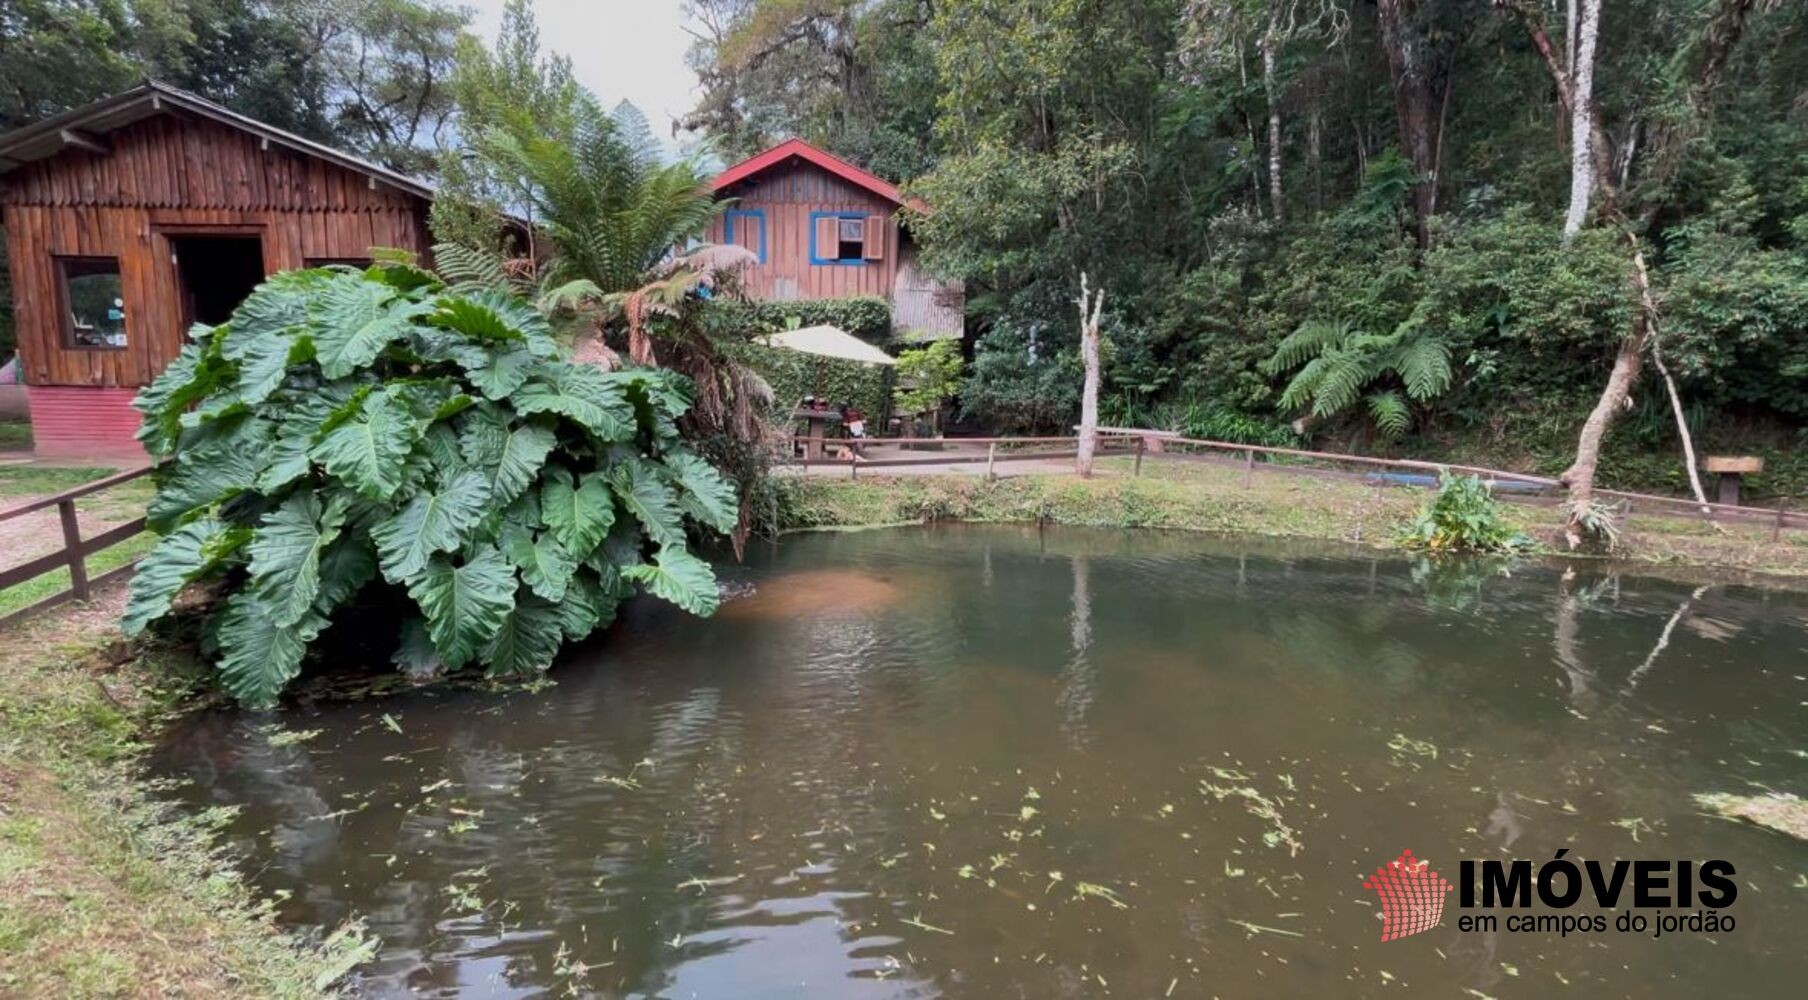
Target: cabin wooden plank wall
{"x": 165, "y": 177}
{"x": 786, "y": 195}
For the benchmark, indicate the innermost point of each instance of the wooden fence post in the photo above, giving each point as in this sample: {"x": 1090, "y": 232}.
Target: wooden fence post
{"x": 991, "y": 460}
{"x": 1141, "y": 444}
{"x": 1249, "y": 467}
{"x": 72, "y": 545}
{"x": 1776, "y": 528}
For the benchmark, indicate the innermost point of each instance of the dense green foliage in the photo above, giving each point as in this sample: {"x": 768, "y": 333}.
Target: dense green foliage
{"x": 1423, "y": 173}
{"x": 866, "y": 317}
{"x": 350, "y": 438}
{"x": 927, "y": 378}
{"x": 1462, "y": 516}
{"x": 792, "y": 376}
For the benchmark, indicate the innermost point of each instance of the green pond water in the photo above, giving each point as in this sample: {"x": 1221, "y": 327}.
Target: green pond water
{"x": 1003, "y": 762}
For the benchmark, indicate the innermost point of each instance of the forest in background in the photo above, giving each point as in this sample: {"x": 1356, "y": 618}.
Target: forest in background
{"x": 1347, "y": 211}
{"x": 1338, "y": 221}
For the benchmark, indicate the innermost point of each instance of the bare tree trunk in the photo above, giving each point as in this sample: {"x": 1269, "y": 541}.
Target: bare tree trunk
{"x": 1271, "y": 87}
{"x": 1090, "y": 305}
{"x": 1418, "y": 94}
{"x": 1648, "y": 304}
{"x": 1582, "y": 162}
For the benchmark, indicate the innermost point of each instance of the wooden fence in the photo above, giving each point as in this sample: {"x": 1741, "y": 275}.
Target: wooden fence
{"x": 1154, "y": 445}
{"x": 76, "y": 549}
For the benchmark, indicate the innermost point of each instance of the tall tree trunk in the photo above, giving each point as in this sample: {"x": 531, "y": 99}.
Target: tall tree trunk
{"x": 1582, "y": 166}
{"x": 1417, "y": 100}
{"x": 1090, "y": 304}
{"x": 1271, "y": 87}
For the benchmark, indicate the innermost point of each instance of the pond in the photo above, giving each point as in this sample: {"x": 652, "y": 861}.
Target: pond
{"x": 995, "y": 761}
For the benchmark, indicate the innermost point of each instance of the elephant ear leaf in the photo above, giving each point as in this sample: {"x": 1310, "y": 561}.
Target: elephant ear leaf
{"x": 681, "y": 578}
{"x": 367, "y": 446}
{"x": 464, "y": 605}
{"x": 646, "y": 495}
{"x": 179, "y": 558}
{"x": 355, "y": 320}
{"x": 527, "y": 641}
{"x": 286, "y": 552}
{"x": 258, "y": 656}
{"x": 430, "y": 523}
{"x": 545, "y": 566}
{"x": 579, "y": 513}
{"x": 703, "y": 493}
{"x": 582, "y": 395}
{"x": 587, "y": 606}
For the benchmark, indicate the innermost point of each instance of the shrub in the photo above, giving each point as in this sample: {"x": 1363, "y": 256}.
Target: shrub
{"x": 350, "y": 430}
{"x": 1462, "y": 517}
{"x": 867, "y": 317}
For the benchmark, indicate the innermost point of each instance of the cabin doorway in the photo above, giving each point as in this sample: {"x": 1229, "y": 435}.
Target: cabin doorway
{"x": 216, "y": 273}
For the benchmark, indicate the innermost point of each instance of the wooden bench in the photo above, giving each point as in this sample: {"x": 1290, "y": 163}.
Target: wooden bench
{"x": 1731, "y": 469}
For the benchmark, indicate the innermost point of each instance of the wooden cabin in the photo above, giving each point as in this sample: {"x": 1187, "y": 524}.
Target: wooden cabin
{"x": 826, "y": 229}
{"x": 132, "y": 218}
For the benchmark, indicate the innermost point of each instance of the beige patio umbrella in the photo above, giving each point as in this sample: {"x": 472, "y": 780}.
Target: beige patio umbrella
{"x": 827, "y": 341}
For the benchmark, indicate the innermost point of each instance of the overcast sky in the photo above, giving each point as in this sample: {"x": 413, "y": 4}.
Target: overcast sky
{"x": 631, "y": 49}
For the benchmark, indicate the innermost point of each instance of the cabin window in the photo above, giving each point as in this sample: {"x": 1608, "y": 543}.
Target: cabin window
{"x": 853, "y": 240}
{"x": 846, "y": 238}
{"x": 94, "y": 305}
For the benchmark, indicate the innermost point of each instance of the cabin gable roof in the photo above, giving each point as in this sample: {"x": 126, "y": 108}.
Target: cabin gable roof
{"x": 797, "y": 150}
{"x": 87, "y": 128}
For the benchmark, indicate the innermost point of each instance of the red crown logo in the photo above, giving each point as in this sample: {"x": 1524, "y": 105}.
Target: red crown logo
{"x": 1412, "y": 896}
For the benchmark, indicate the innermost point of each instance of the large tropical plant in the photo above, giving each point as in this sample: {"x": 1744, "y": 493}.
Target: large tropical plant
{"x": 348, "y": 431}
{"x": 1339, "y": 365}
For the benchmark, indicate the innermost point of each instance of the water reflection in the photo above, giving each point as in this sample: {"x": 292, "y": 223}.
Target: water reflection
{"x": 1009, "y": 762}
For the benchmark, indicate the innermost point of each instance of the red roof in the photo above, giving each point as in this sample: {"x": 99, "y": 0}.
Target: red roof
{"x": 841, "y": 168}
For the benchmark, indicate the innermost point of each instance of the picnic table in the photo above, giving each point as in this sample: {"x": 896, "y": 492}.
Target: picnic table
{"x": 816, "y": 423}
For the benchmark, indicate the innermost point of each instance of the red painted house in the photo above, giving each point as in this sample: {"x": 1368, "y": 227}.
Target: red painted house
{"x": 826, "y": 229}
{"x": 132, "y": 218}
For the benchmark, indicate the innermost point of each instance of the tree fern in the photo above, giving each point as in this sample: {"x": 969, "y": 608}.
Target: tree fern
{"x": 1335, "y": 365}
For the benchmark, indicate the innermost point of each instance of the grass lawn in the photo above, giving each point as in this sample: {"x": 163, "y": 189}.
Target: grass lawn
{"x": 33, "y": 480}
{"x": 15, "y": 435}
{"x": 103, "y": 892}
{"x": 39, "y": 533}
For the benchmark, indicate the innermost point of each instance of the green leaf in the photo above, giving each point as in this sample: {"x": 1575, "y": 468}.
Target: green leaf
{"x": 646, "y": 495}
{"x": 258, "y": 656}
{"x": 581, "y": 395}
{"x": 355, "y": 319}
{"x": 703, "y": 492}
{"x": 492, "y": 316}
{"x": 277, "y": 306}
{"x": 500, "y": 372}
{"x": 266, "y": 360}
{"x": 429, "y": 524}
{"x": 1389, "y": 412}
{"x": 345, "y": 568}
{"x": 207, "y": 474}
{"x": 587, "y": 606}
{"x": 513, "y": 457}
{"x": 367, "y": 450}
{"x": 546, "y": 567}
{"x": 178, "y": 559}
{"x": 414, "y": 654}
{"x": 527, "y": 642}
{"x": 286, "y": 552}
{"x": 464, "y": 605}
{"x": 579, "y": 515}
{"x": 681, "y": 578}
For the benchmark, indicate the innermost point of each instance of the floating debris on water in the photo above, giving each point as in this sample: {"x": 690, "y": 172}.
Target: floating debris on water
{"x": 1780, "y": 811}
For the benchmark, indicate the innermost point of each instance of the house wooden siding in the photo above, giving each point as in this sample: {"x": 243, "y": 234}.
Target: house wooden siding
{"x": 126, "y": 177}
{"x": 782, "y": 205}
{"x": 167, "y": 177}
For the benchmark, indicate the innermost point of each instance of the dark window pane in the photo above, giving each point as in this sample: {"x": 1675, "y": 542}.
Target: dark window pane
{"x": 97, "y": 311}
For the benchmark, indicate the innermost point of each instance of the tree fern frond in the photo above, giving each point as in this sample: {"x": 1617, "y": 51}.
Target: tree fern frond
{"x": 1389, "y": 412}
{"x": 1424, "y": 365}
{"x": 1311, "y": 339}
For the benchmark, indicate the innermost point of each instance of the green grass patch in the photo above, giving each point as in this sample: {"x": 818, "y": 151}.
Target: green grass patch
{"x": 38, "y": 480}
{"x": 15, "y": 435}
{"x": 32, "y": 591}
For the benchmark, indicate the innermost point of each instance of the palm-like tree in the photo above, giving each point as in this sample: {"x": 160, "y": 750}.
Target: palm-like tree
{"x": 614, "y": 218}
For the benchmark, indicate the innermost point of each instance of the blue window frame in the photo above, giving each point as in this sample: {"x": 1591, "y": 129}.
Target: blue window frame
{"x": 755, "y": 215}
{"x": 817, "y": 258}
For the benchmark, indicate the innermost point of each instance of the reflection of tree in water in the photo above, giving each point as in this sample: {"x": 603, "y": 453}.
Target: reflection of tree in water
{"x": 1079, "y": 680}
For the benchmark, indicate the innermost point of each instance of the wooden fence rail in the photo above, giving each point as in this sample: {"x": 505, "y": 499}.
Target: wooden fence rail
{"x": 75, "y": 551}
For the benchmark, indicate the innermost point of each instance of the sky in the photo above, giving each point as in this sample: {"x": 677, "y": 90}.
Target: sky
{"x": 632, "y": 49}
